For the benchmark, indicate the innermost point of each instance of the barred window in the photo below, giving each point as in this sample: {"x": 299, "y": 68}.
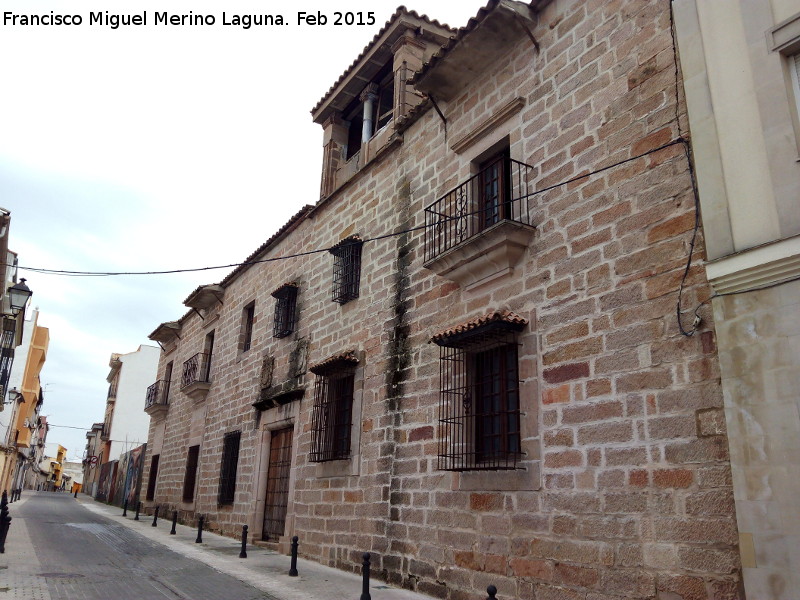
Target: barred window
{"x": 230, "y": 463}
{"x": 479, "y": 403}
{"x": 285, "y": 309}
{"x": 190, "y": 478}
{"x": 332, "y": 414}
{"x": 346, "y": 269}
{"x": 248, "y": 317}
{"x": 151, "y": 482}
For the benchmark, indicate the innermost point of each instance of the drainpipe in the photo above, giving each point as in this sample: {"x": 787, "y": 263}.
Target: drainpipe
{"x": 368, "y": 97}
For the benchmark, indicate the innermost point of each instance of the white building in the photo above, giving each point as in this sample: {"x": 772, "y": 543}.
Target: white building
{"x": 126, "y": 424}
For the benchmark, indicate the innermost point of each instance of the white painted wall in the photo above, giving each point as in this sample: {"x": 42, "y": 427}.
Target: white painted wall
{"x": 130, "y": 423}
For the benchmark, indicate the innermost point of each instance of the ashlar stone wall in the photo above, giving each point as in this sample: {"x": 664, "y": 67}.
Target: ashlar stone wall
{"x": 626, "y": 486}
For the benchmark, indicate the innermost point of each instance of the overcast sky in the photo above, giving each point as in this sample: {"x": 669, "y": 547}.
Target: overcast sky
{"x": 152, "y": 148}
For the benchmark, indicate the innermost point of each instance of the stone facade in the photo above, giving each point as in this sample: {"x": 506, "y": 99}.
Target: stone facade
{"x": 622, "y": 486}
{"x": 740, "y": 65}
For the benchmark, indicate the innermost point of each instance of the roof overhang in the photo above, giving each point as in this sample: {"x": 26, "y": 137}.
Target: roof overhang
{"x": 477, "y": 46}
{"x": 166, "y": 332}
{"x": 205, "y": 296}
{"x": 374, "y": 57}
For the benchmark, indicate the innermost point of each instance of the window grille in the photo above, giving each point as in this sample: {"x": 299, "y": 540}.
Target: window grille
{"x": 151, "y": 482}
{"x": 6, "y": 354}
{"x": 285, "y": 308}
{"x": 190, "y": 478}
{"x": 247, "y": 326}
{"x": 230, "y": 463}
{"x": 332, "y": 414}
{"x": 479, "y": 403}
{"x": 346, "y": 269}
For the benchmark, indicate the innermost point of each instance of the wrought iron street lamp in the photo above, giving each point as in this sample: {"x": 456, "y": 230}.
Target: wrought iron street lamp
{"x": 18, "y": 295}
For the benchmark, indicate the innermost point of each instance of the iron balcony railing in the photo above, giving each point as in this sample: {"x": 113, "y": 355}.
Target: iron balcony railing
{"x": 502, "y": 191}
{"x": 158, "y": 393}
{"x": 196, "y": 369}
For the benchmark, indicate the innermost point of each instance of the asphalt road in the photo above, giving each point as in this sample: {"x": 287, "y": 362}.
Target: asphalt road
{"x": 82, "y": 555}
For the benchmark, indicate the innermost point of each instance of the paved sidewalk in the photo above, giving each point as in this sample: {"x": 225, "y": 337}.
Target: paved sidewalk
{"x": 263, "y": 569}
{"x": 18, "y": 569}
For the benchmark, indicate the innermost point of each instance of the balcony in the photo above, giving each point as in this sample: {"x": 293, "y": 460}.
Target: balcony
{"x": 480, "y": 230}
{"x": 195, "y": 381}
{"x": 156, "y": 400}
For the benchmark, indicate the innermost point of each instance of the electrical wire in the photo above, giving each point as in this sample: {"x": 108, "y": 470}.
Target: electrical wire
{"x": 340, "y": 245}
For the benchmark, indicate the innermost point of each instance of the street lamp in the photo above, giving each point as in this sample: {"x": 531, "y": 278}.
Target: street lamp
{"x": 18, "y": 296}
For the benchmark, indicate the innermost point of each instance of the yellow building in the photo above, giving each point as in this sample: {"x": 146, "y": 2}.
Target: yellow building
{"x": 26, "y": 405}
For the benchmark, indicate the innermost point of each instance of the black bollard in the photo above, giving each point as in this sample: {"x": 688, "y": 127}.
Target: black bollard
{"x": 138, "y": 508}
{"x": 365, "y": 575}
{"x": 174, "y": 522}
{"x": 76, "y": 493}
{"x": 243, "y": 553}
{"x": 492, "y": 591}
{"x": 155, "y": 517}
{"x": 125, "y": 508}
{"x": 293, "y": 567}
{"x": 5, "y": 522}
{"x": 199, "y": 539}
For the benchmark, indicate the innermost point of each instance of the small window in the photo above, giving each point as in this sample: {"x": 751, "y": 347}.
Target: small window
{"x": 479, "y": 402}
{"x": 248, "y": 316}
{"x": 285, "y": 308}
{"x": 332, "y": 414}
{"x": 494, "y": 196}
{"x": 167, "y": 380}
{"x": 190, "y": 478}
{"x": 346, "y": 269}
{"x": 794, "y": 69}
{"x": 151, "y": 482}
{"x": 230, "y": 463}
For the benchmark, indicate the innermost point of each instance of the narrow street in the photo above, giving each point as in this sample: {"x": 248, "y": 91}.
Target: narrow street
{"x": 73, "y": 553}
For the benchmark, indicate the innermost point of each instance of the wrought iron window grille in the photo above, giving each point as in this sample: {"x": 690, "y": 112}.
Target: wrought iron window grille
{"x": 346, "y": 269}
{"x": 230, "y": 464}
{"x": 479, "y": 400}
{"x": 332, "y": 413}
{"x": 285, "y": 310}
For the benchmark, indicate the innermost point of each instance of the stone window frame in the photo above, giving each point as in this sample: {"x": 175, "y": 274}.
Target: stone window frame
{"x": 526, "y": 474}
{"x": 784, "y": 39}
{"x": 350, "y": 362}
{"x": 248, "y": 322}
{"x": 346, "y": 281}
{"x": 152, "y": 478}
{"x": 332, "y": 416}
{"x": 285, "y": 310}
{"x": 465, "y": 423}
{"x": 190, "y": 474}
{"x": 229, "y": 466}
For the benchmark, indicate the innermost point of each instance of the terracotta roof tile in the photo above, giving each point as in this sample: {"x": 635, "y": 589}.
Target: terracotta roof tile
{"x": 279, "y": 289}
{"x": 350, "y": 240}
{"x": 401, "y": 10}
{"x": 455, "y": 40}
{"x": 297, "y": 218}
{"x": 510, "y": 319}
{"x": 344, "y": 359}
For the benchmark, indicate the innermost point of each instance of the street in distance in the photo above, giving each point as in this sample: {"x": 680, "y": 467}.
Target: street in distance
{"x": 115, "y": 21}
